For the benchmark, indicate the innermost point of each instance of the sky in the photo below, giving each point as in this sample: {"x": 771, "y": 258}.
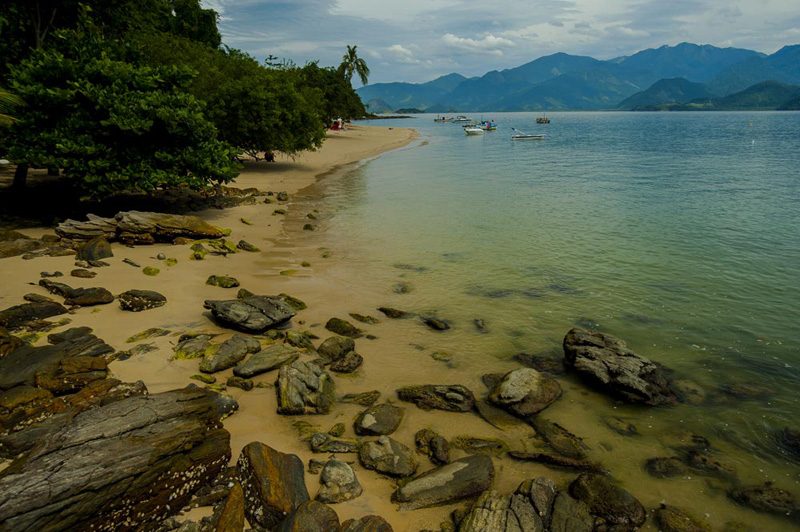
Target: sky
{"x": 419, "y": 40}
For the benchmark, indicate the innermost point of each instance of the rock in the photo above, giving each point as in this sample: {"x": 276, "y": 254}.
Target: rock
{"x": 228, "y": 353}
{"x": 45, "y": 275}
{"x": 394, "y": 313}
{"x": 337, "y": 430}
{"x": 502, "y": 513}
{"x": 348, "y": 364}
{"x": 496, "y": 417}
{"x": 150, "y": 271}
{"x": 293, "y": 302}
{"x": 570, "y": 515}
{"x": 766, "y": 498}
{"x": 95, "y": 226}
{"x": 551, "y": 365}
{"x": 453, "y": 398}
{"x": 472, "y": 445}
{"x": 606, "y": 361}
{"x": 387, "y": 456}
{"x": 525, "y": 392}
{"x": 322, "y": 442}
{"x": 621, "y": 426}
{"x": 97, "y": 248}
{"x": 363, "y": 398}
{"x": 703, "y": 464}
{"x": 205, "y": 379}
{"x": 666, "y": 467}
{"x": 310, "y": 516}
{"x": 460, "y": 479}
{"x": 139, "y": 300}
{"x": 231, "y": 517}
{"x": 282, "y": 196}
{"x": 253, "y": 314}
{"x": 339, "y": 483}
{"x": 83, "y": 297}
{"x": 604, "y": 499}
{"x": 238, "y": 382}
{"x": 315, "y": 465}
{"x": 435, "y": 323}
{"x": 299, "y": 339}
{"x": 37, "y": 298}
{"x": 335, "y": 348}
{"x": 480, "y": 325}
{"x": 246, "y": 246}
{"x": 559, "y": 461}
{"x": 192, "y": 347}
{"x": 369, "y": 523}
{"x": 343, "y": 328}
{"x": 273, "y": 484}
{"x": 223, "y": 281}
{"x": 129, "y": 262}
{"x": 18, "y": 315}
{"x": 304, "y": 388}
{"x": 83, "y": 274}
{"x": 142, "y": 451}
{"x": 71, "y": 374}
{"x": 560, "y": 439}
{"x": 364, "y": 319}
{"x": 266, "y": 360}
{"x": 789, "y": 441}
{"x": 378, "y": 420}
{"x": 671, "y": 519}
{"x": 433, "y": 445}
{"x": 8, "y": 342}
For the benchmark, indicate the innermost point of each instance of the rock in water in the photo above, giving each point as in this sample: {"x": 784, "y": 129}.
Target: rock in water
{"x": 139, "y": 300}
{"x": 607, "y": 361}
{"x": 339, "y": 483}
{"x": 18, "y": 315}
{"x": 766, "y": 498}
{"x": 560, "y": 439}
{"x": 604, "y": 499}
{"x": 378, "y": 420}
{"x": 311, "y": 516}
{"x": 453, "y": 398}
{"x": 335, "y": 348}
{"x": 671, "y": 519}
{"x": 253, "y": 314}
{"x": 273, "y": 483}
{"x": 388, "y": 456}
{"x": 115, "y": 467}
{"x": 457, "y": 480}
{"x": 228, "y": 353}
{"x": 97, "y": 248}
{"x": 223, "y": 281}
{"x": 343, "y": 328}
{"x": 351, "y": 362}
{"x": 304, "y": 388}
{"x": 525, "y": 392}
{"x": 266, "y": 360}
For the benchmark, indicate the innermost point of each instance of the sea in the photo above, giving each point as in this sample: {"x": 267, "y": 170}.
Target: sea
{"x": 677, "y": 232}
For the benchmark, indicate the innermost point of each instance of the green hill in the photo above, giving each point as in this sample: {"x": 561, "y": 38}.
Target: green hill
{"x": 664, "y": 91}
{"x": 767, "y": 95}
{"x": 783, "y": 66}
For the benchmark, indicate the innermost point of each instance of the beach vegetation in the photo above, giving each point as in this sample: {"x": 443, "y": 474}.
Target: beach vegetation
{"x": 352, "y": 64}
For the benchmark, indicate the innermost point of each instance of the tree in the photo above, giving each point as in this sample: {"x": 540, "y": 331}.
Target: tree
{"x": 110, "y": 123}
{"x": 8, "y": 102}
{"x": 352, "y": 63}
{"x": 338, "y": 96}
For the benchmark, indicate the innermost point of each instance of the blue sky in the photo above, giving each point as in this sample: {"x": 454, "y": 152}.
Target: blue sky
{"x": 419, "y": 40}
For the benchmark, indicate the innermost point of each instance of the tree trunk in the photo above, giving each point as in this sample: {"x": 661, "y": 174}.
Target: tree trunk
{"x": 20, "y": 177}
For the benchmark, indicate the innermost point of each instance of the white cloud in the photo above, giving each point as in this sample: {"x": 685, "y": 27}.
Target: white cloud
{"x": 629, "y": 32}
{"x": 488, "y": 45}
{"x": 403, "y": 54}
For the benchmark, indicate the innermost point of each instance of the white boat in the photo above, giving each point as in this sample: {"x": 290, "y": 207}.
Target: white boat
{"x": 521, "y": 135}
{"x": 461, "y": 118}
{"x": 473, "y": 130}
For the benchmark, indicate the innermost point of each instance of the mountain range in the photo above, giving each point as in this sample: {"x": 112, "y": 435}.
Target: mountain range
{"x": 650, "y": 78}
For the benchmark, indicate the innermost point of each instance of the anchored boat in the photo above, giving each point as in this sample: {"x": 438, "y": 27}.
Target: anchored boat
{"x": 521, "y": 135}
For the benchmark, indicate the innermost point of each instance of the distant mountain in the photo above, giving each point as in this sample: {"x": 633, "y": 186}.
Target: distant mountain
{"x": 766, "y": 95}
{"x": 791, "y": 105}
{"x": 653, "y": 77}
{"x": 377, "y": 106}
{"x": 691, "y": 61}
{"x": 673, "y": 90}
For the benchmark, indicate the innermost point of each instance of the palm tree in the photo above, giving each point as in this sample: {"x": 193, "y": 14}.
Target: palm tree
{"x": 352, "y": 63}
{"x": 7, "y": 102}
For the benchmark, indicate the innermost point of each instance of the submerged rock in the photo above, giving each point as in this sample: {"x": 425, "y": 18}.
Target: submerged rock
{"x": 671, "y": 519}
{"x": 604, "y": 499}
{"x": 435, "y": 323}
{"x": 453, "y": 398}
{"x": 351, "y": 362}
{"x": 525, "y": 392}
{"x": 560, "y": 439}
{"x": 606, "y": 361}
{"x": 766, "y": 498}
{"x": 343, "y": 328}
{"x": 472, "y": 445}
{"x": 394, "y": 313}
{"x": 253, "y": 314}
{"x": 457, "y": 480}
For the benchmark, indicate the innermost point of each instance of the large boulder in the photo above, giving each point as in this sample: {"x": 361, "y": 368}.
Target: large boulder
{"x": 607, "y": 500}
{"x": 124, "y": 466}
{"x": 311, "y": 516}
{"x": 83, "y": 297}
{"x": 501, "y": 513}
{"x": 228, "y": 353}
{"x": 453, "y": 398}
{"x": 378, "y": 420}
{"x": 388, "y": 456}
{"x": 19, "y": 315}
{"x": 335, "y": 348}
{"x": 460, "y": 479}
{"x": 304, "y": 388}
{"x": 525, "y": 392}
{"x": 266, "y": 360}
{"x": 339, "y": 483}
{"x": 253, "y": 314}
{"x": 95, "y": 226}
{"x": 273, "y": 483}
{"x": 231, "y": 517}
{"x": 97, "y": 248}
{"x": 606, "y": 361}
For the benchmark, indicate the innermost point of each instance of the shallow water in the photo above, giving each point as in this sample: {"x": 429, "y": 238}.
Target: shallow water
{"x": 677, "y": 232}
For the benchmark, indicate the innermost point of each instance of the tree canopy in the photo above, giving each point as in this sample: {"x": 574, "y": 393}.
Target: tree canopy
{"x": 351, "y": 63}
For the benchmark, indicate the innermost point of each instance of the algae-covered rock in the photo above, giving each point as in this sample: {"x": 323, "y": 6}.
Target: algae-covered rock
{"x": 348, "y": 364}
{"x": 139, "y": 300}
{"x": 151, "y": 271}
{"x": 343, "y": 328}
{"x": 363, "y": 398}
{"x": 387, "y": 456}
{"x": 293, "y": 302}
{"x": 228, "y": 353}
{"x": 335, "y": 348}
{"x": 304, "y": 388}
{"x": 266, "y": 360}
{"x": 452, "y": 398}
{"x": 223, "y": 281}
{"x": 364, "y": 318}
{"x": 671, "y": 519}
{"x": 299, "y": 339}
{"x": 192, "y": 346}
{"x": 607, "y": 500}
{"x": 246, "y": 246}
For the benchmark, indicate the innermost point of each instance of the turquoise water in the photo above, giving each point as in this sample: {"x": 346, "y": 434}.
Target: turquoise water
{"x": 678, "y": 232}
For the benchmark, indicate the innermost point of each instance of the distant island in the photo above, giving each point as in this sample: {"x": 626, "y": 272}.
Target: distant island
{"x": 670, "y": 78}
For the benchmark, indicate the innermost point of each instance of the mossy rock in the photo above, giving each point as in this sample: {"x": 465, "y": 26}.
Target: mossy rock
{"x": 305, "y": 264}
{"x": 364, "y": 318}
{"x": 247, "y": 246}
{"x": 153, "y": 332}
{"x": 225, "y": 232}
{"x": 223, "y": 281}
{"x": 199, "y": 251}
{"x": 170, "y": 261}
{"x": 471, "y": 445}
{"x": 326, "y": 254}
{"x": 288, "y": 272}
{"x": 311, "y": 216}
{"x": 309, "y": 227}
{"x": 278, "y": 211}
{"x": 337, "y": 430}
{"x": 442, "y": 356}
{"x": 206, "y": 379}
{"x": 293, "y": 302}
{"x": 152, "y": 272}
{"x": 245, "y": 221}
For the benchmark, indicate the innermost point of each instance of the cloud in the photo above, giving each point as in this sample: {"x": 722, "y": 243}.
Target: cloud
{"x": 488, "y": 45}
{"x": 403, "y": 54}
{"x": 629, "y": 32}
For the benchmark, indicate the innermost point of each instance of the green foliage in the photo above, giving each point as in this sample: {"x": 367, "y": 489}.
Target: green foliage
{"x": 338, "y": 96}
{"x": 111, "y": 124}
{"x": 8, "y": 102}
{"x": 351, "y": 63}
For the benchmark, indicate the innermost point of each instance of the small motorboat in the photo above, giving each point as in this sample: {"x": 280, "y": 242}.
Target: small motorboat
{"x": 488, "y": 125}
{"x": 461, "y": 118}
{"x": 442, "y": 119}
{"x": 542, "y": 119}
{"x": 521, "y": 135}
{"x": 474, "y": 130}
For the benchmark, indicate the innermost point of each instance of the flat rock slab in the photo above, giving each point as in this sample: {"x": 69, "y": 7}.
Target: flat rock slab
{"x": 452, "y": 398}
{"x": 266, "y": 360}
{"x": 606, "y": 361}
{"x": 304, "y": 388}
{"x": 228, "y": 353}
{"x": 460, "y": 479}
{"x": 273, "y": 484}
{"x": 114, "y": 467}
{"x": 139, "y": 300}
{"x": 252, "y": 314}
{"x": 19, "y": 315}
